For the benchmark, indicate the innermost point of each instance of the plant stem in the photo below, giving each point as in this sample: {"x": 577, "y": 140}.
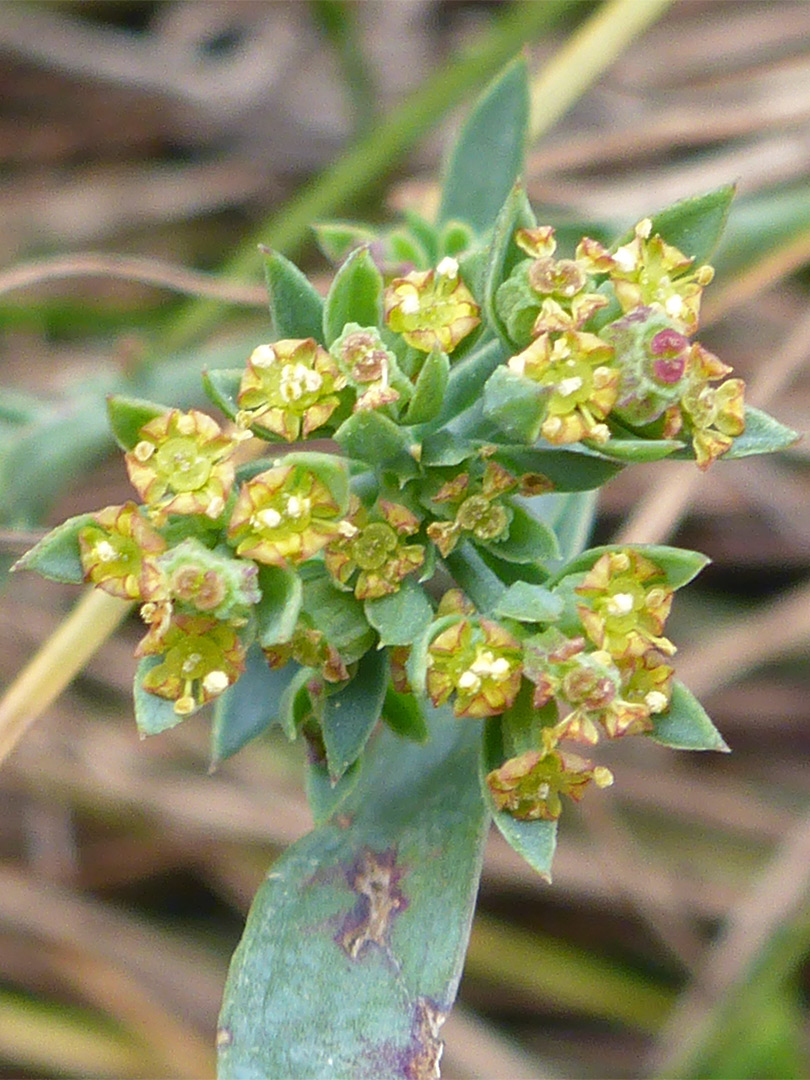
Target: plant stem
{"x": 585, "y": 56}
{"x": 62, "y": 656}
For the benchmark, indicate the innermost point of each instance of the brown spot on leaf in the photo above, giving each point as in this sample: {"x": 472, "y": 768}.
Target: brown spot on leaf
{"x": 375, "y": 878}
{"x": 426, "y": 1046}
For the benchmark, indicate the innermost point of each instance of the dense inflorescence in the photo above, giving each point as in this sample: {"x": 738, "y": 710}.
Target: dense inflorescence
{"x": 455, "y": 409}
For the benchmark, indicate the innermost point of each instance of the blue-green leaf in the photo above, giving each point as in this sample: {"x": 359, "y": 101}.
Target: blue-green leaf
{"x": 355, "y": 296}
{"x": 350, "y": 715}
{"x": 128, "y": 415}
{"x": 763, "y": 435}
{"x": 404, "y": 714}
{"x": 222, "y": 387}
{"x": 529, "y": 603}
{"x": 324, "y": 795}
{"x": 528, "y": 541}
{"x": 430, "y": 388}
{"x": 56, "y": 556}
{"x": 296, "y": 307}
{"x": 686, "y": 725}
{"x": 488, "y": 155}
{"x": 337, "y": 239}
{"x": 402, "y": 616}
{"x": 535, "y": 841}
{"x": 516, "y": 404}
{"x": 678, "y": 565}
{"x": 354, "y": 946}
{"x": 566, "y": 469}
{"x": 277, "y": 611}
{"x": 250, "y": 706}
{"x": 636, "y": 451}
{"x": 503, "y": 253}
{"x": 339, "y": 616}
{"x": 369, "y": 436}
{"x": 153, "y": 714}
{"x": 694, "y": 225}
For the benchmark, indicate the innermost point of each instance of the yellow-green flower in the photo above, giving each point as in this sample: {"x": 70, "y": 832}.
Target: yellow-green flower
{"x": 529, "y": 786}
{"x": 587, "y": 688}
{"x": 563, "y": 284}
{"x": 479, "y": 661}
{"x": 309, "y": 648}
{"x": 181, "y": 465}
{"x": 582, "y": 381}
{"x": 431, "y": 309}
{"x": 478, "y": 507}
{"x": 715, "y": 414}
{"x": 647, "y": 680}
{"x": 376, "y": 549}
{"x": 289, "y": 388}
{"x": 118, "y": 553}
{"x": 284, "y": 515}
{"x": 628, "y": 601}
{"x": 201, "y": 658}
{"x": 648, "y": 271}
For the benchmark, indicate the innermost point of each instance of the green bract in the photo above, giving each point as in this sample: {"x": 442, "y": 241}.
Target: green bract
{"x": 425, "y": 568}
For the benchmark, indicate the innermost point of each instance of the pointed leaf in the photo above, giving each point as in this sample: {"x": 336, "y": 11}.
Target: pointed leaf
{"x": 277, "y": 611}
{"x": 350, "y": 715}
{"x": 678, "y": 565}
{"x": 153, "y": 714}
{"x": 296, "y": 308}
{"x": 431, "y": 386}
{"x": 474, "y": 577}
{"x": 404, "y": 715}
{"x": 529, "y": 603}
{"x": 250, "y": 706}
{"x": 339, "y": 616}
{"x": 56, "y": 555}
{"x": 337, "y": 239}
{"x": 467, "y": 379}
{"x": 535, "y": 841}
{"x": 351, "y": 956}
{"x": 504, "y": 254}
{"x": 222, "y": 387}
{"x": 369, "y": 436}
{"x": 402, "y": 616}
{"x": 763, "y": 435}
{"x": 128, "y": 415}
{"x": 324, "y": 796}
{"x": 355, "y": 296}
{"x": 488, "y": 155}
{"x": 694, "y": 225}
{"x": 566, "y": 469}
{"x": 686, "y": 725}
{"x": 635, "y": 451}
{"x": 295, "y": 704}
{"x": 516, "y": 404}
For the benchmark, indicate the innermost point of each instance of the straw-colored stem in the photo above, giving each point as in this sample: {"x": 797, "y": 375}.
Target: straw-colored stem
{"x": 59, "y": 660}
{"x": 585, "y": 56}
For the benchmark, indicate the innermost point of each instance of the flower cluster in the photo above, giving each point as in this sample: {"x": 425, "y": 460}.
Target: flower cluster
{"x": 642, "y": 369}
{"x": 431, "y": 309}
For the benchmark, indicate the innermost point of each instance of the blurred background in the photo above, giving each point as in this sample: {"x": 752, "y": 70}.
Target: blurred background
{"x": 174, "y": 135}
